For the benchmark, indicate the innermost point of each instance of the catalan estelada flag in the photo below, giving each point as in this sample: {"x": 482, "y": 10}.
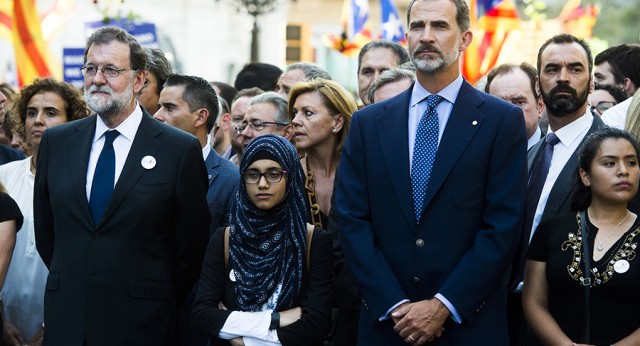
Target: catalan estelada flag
{"x": 392, "y": 28}
{"x": 6, "y": 8}
{"x": 33, "y": 57}
{"x": 356, "y": 28}
{"x": 491, "y": 22}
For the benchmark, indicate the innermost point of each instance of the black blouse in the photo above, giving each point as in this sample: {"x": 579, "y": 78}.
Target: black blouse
{"x": 614, "y": 298}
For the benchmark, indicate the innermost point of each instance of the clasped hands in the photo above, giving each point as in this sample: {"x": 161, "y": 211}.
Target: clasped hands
{"x": 420, "y": 322}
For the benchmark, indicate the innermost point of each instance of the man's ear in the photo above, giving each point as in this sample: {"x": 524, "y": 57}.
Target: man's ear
{"x": 202, "y": 115}
{"x": 288, "y": 132}
{"x": 139, "y": 81}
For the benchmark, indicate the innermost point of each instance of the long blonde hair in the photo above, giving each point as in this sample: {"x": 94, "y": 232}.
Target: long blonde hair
{"x": 632, "y": 123}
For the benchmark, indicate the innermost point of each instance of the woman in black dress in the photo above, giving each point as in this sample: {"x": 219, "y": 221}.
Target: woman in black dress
{"x": 565, "y": 303}
{"x": 268, "y": 278}
{"x": 10, "y": 223}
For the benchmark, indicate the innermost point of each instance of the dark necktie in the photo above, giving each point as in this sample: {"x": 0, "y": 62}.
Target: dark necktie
{"x": 424, "y": 153}
{"x": 539, "y": 174}
{"x": 103, "y": 178}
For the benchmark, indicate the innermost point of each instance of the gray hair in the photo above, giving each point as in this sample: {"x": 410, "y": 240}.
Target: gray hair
{"x": 401, "y": 53}
{"x": 159, "y": 66}
{"x": 310, "y": 71}
{"x": 279, "y": 102}
{"x": 391, "y": 75}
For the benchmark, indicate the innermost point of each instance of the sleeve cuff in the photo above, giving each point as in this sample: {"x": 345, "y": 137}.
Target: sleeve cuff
{"x": 386, "y": 315}
{"x": 454, "y": 313}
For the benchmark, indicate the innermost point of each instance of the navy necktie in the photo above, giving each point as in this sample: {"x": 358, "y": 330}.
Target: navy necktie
{"x": 103, "y": 178}
{"x": 424, "y": 153}
{"x": 539, "y": 174}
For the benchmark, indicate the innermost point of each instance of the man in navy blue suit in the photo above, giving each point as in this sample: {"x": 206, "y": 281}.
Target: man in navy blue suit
{"x": 191, "y": 104}
{"x": 430, "y": 197}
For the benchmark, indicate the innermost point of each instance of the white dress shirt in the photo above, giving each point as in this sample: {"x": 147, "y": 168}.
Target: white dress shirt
{"x": 570, "y": 136}
{"x": 616, "y": 116}
{"x": 121, "y": 145}
{"x": 535, "y": 138}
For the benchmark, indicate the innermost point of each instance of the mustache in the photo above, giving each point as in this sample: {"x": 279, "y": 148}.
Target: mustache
{"x": 100, "y": 88}
{"x": 426, "y": 47}
{"x": 563, "y": 89}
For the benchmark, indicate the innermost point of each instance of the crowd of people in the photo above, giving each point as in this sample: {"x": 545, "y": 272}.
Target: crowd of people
{"x": 155, "y": 208}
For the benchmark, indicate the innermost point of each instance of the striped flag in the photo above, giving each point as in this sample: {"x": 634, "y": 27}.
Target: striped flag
{"x": 33, "y": 58}
{"x": 578, "y": 19}
{"x": 356, "y": 28}
{"x": 491, "y": 22}
{"x": 6, "y": 8}
{"x": 392, "y": 28}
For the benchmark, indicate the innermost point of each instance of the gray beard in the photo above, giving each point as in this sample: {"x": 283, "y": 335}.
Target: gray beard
{"x": 109, "y": 107}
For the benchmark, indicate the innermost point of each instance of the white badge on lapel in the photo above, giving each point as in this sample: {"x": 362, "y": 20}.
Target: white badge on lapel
{"x": 148, "y": 162}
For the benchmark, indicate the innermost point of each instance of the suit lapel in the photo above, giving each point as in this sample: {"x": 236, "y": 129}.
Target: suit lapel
{"x": 562, "y": 189}
{"x": 464, "y": 121}
{"x": 79, "y": 148}
{"x": 212, "y": 162}
{"x": 144, "y": 144}
{"x": 393, "y": 126}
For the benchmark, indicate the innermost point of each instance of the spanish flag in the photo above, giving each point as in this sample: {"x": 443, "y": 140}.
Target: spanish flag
{"x": 491, "y": 22}
{"x": 33, "y": 58}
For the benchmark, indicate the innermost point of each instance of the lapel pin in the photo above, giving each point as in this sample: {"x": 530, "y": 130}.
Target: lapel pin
{"x": 474, "y": 123}
{"x": 148, "y": 162}
{"x": 209, "y": 176}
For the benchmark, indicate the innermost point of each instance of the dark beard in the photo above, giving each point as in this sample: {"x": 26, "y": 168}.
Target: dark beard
{"x": 561, "y": 106}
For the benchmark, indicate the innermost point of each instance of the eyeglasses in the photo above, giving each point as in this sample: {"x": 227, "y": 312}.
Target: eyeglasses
{"x": 257, "y": 125}
{"x": 107, "y": 71}
{"x": 602, "y": 106}
{"x": 271, "y": 176}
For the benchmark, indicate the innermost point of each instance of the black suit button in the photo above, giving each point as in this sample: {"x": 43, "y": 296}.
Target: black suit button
{"x": 416, "y": 279}
{"x": 95, "y": 235}
{"x": 419, "y": 243}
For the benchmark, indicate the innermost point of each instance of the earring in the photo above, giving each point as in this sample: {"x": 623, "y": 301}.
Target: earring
{"x": 334, "y": 131}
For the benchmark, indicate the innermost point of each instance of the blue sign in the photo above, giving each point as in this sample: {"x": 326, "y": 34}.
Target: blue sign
{"x": 72, "y": 61}
{"x": 144, "y": 32}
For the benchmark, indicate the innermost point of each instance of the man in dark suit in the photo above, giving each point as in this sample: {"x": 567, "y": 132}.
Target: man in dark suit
{"x": 121, "y": 219}
{"x": 564, "y": 82}
{"x": 190, "y": 104}
{"x": 433, "y": 254}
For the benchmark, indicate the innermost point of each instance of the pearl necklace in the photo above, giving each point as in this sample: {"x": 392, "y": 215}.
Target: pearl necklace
{"x": 600, "y": 246}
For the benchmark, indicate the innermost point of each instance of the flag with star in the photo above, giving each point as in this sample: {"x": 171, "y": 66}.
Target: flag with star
{"x": 392, "y": 28}
{"x": 356, "y": 29}
{"x": 491, "y": 22}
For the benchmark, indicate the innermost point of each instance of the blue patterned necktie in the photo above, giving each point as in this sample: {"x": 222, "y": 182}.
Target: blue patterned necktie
{"x": 424, "y": 153}
{"x": 103, "y": 178}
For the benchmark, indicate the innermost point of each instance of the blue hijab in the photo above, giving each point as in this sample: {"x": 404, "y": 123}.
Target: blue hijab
{"x": 267, "y": 247}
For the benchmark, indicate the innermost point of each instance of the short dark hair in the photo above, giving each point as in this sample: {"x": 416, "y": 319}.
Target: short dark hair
{"x": 258, "y": 74}
{"x": 74, "y": 104}
{"x": 527, "y": 68}
{"x": 392, "y": 75}
{"x": 623, "y": 60}
{"x": 581, "y": 198}
{"x": 251, "y": 92}
{"x": 105, "y": 35}
{"x": 226, "y": 91}
{"x": 402, "y": 56}
{"x": 618, "y": 94}
{"x": 159, "y": 66}
{"x": 566, "y": 39}
{"x": 463, "y": 16}
{"x": 198, "y": 93}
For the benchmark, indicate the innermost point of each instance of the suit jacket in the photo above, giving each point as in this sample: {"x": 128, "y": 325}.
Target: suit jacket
{"x": 224, "y": 178}
{"x": 469, "y": 228}
{"x": 119, "y": 282}
{"x": 559, "y": 201}
{"x": 8, "y": 154}
{"x": 315, "y": 298}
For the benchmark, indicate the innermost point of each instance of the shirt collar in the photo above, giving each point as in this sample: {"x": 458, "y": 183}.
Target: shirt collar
{"x": 449, "y": 93}
{"x": 127, "y": 128}
{"x": 205, "y": 151}
{"x": 568, "y": 133}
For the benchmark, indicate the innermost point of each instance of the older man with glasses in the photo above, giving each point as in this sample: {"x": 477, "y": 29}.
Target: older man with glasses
{"x": 267, "y": 113}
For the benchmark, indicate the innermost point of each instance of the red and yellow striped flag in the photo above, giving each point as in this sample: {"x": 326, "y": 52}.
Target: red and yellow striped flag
{"x": 33, "y": 57}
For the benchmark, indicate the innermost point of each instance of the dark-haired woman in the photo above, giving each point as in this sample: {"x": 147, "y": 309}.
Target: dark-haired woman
{"x": 267, "y": 279}
{"x": 565, "y": 303}
{"x": 10, "y": 223}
